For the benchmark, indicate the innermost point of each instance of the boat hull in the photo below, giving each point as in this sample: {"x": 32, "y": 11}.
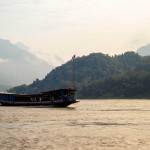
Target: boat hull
{"x": 54, "y": 104}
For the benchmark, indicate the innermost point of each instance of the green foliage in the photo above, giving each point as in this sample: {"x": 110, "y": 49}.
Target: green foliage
{"x": 98, "y": 76}
{"x": 129, "y": 85}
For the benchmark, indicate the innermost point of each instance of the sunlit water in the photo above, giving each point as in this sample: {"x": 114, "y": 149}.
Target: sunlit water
{"x": 88, "y": 125}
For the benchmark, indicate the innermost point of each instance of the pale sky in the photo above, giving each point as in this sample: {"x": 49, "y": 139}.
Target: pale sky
{"x": 57, "y": 29}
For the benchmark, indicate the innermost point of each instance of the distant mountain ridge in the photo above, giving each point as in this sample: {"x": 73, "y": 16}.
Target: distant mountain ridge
{"x": 22, "y": 46}
{"x": 144, "y": 50}
{"x": 19, "y": 66}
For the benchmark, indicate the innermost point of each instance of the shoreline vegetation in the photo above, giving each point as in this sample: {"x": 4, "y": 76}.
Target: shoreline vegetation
{"x": 98, "y": 76}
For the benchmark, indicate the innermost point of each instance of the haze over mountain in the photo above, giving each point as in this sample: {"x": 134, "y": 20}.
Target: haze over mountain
{"x": 144, "y": 50}
{"x": 18, "y": 65}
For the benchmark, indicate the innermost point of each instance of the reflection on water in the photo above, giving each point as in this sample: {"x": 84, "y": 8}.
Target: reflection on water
{"x": 45, "y": 106}
{"x": 89, "y": 124}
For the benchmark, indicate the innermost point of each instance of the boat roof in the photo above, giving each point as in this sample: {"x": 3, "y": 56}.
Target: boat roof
{"x": 57, "y": 90}
{"x": 41, "y": 93}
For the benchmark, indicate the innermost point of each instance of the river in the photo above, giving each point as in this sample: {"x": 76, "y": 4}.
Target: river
{"x": 87, "y": 125}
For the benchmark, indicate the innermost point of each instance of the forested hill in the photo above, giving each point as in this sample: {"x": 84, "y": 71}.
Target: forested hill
{"x": 99, "y": 76}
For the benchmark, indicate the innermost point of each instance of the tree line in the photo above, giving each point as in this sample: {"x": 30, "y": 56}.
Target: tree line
{"x": 98, "y": 76}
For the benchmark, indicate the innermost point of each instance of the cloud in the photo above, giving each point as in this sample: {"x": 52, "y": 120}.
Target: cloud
{"x": 3, "y": 60}
{"x": 59, "y": 59}
{"x": 68, "y": 27}
{"x": 52, "y": 58}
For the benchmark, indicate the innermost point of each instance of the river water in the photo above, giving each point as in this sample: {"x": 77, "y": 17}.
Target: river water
{"x": 87, "y": 125}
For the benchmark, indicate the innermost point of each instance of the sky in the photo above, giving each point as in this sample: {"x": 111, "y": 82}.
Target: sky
{"x": 55, "y": 30}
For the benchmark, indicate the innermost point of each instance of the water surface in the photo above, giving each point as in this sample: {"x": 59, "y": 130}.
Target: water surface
{"x": 88, "y": 125}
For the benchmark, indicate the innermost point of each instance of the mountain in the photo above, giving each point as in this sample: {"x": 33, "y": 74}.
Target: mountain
{"x": 22, "y": 46}
{"x": 18, "y": 65}
{"x": 144, "y": 50}
{"x": 98, "y": 76}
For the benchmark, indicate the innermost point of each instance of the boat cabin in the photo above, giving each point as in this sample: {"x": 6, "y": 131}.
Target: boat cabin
{"x": 61, "y": 94}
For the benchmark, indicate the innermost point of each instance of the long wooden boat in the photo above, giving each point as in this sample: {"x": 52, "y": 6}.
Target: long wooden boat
{"x": 57, "y": 98}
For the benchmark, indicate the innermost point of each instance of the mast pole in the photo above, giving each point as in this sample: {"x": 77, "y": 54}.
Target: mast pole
{"x": 73, "y": 72}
